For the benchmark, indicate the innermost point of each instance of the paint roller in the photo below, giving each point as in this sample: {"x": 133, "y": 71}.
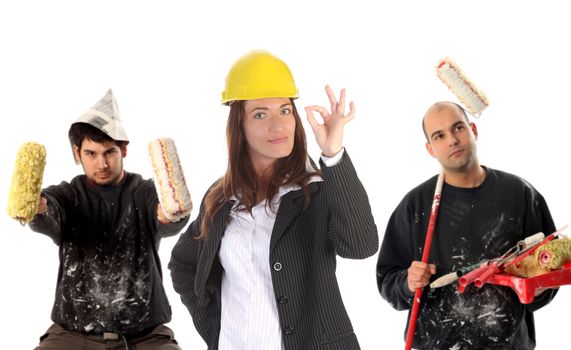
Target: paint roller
{"x": 474, "y": 100}
{"x": 26, "y": 187}
{"x": 169, "y": 179}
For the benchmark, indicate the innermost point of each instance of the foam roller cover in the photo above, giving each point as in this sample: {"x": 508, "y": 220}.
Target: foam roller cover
{"x": 169, "y": 179}
{"x": 26, "y": 185}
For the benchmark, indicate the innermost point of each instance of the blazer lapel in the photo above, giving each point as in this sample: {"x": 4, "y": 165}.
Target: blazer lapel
{"x": 291, "y": 205}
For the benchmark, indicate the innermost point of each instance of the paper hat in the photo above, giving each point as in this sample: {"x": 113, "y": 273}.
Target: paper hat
{"x": 104, "y": 115}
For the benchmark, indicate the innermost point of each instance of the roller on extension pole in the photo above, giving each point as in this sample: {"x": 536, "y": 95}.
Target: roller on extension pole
{"x": 475, "y": 102}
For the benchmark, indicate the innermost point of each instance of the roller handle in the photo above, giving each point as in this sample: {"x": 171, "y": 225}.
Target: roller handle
{"x": 444, "y": 280}
{"x": 425, "y": 255}
{"x": 533, "y": 240}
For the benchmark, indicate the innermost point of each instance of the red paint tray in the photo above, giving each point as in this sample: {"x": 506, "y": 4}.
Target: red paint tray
{"x": 526, "y": 287}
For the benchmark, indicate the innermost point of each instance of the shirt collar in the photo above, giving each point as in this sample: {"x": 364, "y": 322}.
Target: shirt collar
{"x": 283, "y": 190}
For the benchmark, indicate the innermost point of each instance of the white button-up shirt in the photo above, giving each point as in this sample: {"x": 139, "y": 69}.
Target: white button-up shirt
{"x": 250, "y": 319}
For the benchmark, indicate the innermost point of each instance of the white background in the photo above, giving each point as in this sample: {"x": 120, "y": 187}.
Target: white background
{"x": 166, "y": 61}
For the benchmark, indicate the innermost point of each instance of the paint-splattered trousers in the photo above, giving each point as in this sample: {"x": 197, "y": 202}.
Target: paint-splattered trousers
{"x": 57, "y": 338}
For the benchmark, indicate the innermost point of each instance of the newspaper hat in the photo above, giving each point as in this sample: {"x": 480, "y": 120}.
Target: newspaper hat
{"x": 104, "y": 115}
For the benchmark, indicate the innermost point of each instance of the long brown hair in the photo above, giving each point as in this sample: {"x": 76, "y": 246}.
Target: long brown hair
{"x": 242, "y": 181}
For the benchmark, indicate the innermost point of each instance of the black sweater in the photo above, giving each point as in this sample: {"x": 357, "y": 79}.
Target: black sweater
{"x": 110, "y": 276}
{"x": 473, "y": 224}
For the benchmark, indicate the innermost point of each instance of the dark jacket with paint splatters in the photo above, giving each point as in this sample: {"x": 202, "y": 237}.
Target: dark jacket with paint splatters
{"x": 473, "y": 224}
{"x": 110, "y": 276}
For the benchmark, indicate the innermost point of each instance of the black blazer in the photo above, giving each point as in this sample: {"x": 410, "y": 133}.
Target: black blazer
{"x": 303, "y": 249}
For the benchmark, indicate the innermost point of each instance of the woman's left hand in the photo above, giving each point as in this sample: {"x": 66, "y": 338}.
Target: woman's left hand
{"x": 329, "y": 135}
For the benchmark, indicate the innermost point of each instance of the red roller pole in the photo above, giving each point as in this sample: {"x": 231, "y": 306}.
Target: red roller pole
{"x": 425, "y": 253}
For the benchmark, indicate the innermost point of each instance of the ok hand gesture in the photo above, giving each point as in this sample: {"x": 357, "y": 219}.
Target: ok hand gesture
{"x": 329, "y": 135}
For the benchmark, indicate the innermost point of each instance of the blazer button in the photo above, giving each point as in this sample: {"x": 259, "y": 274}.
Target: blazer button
{"x": 283, "y": 300}
{"x": 278, "y": 266}
{"x": 288, "y": 330}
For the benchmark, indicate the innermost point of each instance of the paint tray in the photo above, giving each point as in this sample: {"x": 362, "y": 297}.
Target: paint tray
{"x": 526, "y": 287}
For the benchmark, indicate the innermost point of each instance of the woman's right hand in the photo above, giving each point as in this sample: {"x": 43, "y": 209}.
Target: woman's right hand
{"x": 329, "y": 135}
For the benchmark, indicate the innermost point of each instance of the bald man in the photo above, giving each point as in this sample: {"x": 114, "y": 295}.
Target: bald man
{"x": 483, "y": 212}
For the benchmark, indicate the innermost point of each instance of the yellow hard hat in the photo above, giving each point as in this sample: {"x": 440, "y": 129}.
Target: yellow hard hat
{"x": 258, "y": 74}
